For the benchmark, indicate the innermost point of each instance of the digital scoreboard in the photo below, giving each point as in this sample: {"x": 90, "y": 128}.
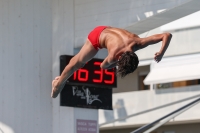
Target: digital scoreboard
{"x": 91, "y": 74}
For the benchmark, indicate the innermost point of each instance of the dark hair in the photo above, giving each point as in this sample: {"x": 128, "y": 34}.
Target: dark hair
{"x": 127, "y": 63}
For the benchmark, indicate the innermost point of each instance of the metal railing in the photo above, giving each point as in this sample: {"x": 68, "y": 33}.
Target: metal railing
{"x": 150, "y": 110}
{"x": 154, "y": 125}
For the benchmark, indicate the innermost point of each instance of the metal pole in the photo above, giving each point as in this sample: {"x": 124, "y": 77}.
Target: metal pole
{"x": 143, "y": 128}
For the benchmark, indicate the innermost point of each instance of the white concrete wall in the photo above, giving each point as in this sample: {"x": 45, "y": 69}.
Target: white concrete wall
{"x": 146, "y": 106}
{"x": 64, "y": 118}
{"x": 62, "y": 43}
{"x": 25, "y": 66}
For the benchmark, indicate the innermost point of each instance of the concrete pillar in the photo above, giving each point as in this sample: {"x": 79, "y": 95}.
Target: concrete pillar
{"x": 65, "y": 119}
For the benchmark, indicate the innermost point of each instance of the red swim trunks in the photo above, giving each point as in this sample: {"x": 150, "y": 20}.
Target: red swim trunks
{"x": 94, "y": 36}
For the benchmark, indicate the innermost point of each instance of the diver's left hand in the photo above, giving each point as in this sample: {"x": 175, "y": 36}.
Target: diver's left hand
{"x": 158, "y": 57}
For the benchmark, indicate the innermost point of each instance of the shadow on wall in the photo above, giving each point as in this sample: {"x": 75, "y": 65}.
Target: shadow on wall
{"x": 109, "y": 116}
{"x": 5, "y": 128}
{"x": 121, "y": 112}
{"x": 139, "y": 13}
{"x": 1, "y": 131}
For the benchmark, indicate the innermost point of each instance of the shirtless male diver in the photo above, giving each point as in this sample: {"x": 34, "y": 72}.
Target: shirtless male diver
{"x": 121, "y": 46}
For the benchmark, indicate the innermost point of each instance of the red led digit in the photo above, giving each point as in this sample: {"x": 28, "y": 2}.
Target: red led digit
{"x": 82, "y": 78}
{"x": 74, "y": 77}
{"x": 112, "y": 74}
{"x": 99, "y": 72}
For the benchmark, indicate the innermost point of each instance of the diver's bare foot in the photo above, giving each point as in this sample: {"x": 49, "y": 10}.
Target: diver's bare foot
{"x": 54, "y": 92}
{"x": 55, "y": 88}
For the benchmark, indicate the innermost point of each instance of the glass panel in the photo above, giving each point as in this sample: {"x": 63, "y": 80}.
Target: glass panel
{"x": 178, "y": 84}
